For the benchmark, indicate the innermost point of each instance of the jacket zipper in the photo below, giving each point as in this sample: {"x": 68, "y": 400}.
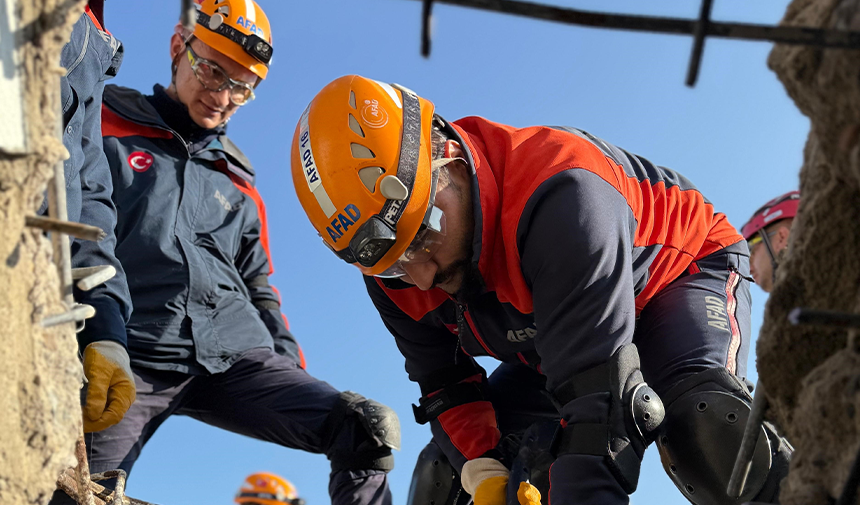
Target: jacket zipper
{"x": 464, "y": 318}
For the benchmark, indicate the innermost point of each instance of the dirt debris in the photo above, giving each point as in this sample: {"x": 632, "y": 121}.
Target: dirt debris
{"x": 40, "y": 376}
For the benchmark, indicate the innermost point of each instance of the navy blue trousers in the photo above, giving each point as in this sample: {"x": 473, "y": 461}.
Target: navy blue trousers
{"x": 700, "y": 321}
{"x": 263, "y": 395}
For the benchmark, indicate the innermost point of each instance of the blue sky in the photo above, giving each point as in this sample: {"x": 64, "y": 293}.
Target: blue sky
{"x": 736, "y": 135}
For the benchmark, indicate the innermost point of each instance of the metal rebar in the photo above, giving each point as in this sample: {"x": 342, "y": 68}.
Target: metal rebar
{"x": 426, "y": 26}
{"x": 93, "y": 276}
{"x": 80, "y": 273}
{"x": 752, "y": 432}
{"x": 677, "y": 26}
{"x": 699, "y": 42}
{"x": 78, "y": 312}
{"x": 188, "y": 15}
{"x": 82, "y": 472}
{"x": 58, "y": 212}
{"x": 62, "y": 226}
{"x": 801, "y": 316}
{"x": 117, "y": 497}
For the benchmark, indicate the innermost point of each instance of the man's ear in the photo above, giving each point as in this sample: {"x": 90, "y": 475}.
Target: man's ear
{"x": 782, "y": 234}
{"x": 453, "y": 149}
{"x": 176, "y": 46}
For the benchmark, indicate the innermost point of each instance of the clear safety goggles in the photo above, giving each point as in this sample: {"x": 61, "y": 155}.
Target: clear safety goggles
{"x": 375, "y": 238}
{"x": 212, "y": 77}
{"x": 423, "y": 246}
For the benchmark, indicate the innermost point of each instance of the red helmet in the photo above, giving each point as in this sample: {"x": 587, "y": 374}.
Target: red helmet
{"x": 781, "y": 207}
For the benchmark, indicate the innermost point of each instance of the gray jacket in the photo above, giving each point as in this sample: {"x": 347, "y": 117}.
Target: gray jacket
{"x": 90, "y": 57}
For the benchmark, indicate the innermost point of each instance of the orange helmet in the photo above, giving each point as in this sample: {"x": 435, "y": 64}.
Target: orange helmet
{"x": 267, "y": 489}
{"x": 363, "y": 171}
{"x": 238, "y": 29}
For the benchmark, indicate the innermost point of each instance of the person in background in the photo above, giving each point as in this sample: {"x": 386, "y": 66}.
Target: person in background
{"x": 767, "y": 233}
{"x": 265, "y": 488}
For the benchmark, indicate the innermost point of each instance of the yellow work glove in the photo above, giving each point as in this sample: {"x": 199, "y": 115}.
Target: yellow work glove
{"x": 111, "y": 390}
{"x": 486, "y": 479}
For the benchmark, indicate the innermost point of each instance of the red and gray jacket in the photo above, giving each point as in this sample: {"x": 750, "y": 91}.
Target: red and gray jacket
{"x": 191, "y": 235}
{"x": 573, "y": 237}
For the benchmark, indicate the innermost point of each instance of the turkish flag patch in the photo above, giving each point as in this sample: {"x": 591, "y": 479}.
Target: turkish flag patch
{"x": 140, "y": 161}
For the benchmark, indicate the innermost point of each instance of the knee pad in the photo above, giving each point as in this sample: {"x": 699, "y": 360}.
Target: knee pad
{"x": 635, "y": 412}
{"x": 359, "y": 434}
{"x": 435, "y": 481}
{"x": 705, "y": 418}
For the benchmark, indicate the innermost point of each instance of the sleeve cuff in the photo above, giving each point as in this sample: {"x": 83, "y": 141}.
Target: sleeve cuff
{"x": 107, "y": 324}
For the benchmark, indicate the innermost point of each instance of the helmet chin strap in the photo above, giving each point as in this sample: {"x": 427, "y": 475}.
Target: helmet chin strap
{"x": 773, "y": 261}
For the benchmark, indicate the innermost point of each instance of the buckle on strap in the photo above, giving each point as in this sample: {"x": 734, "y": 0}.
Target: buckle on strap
{"x": 431, "y": 407}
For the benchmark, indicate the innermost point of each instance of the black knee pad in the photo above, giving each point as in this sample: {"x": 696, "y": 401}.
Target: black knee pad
{"x": 435, "y": 481}
{"x": 360, "y": 433}
{"x": 634, "y": 415}
{"x": 702, "y": 432}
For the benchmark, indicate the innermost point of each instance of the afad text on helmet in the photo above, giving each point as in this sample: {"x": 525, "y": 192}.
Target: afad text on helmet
{"x": 251, "y": 26}
{"x": 311, "y": 173}
{"x": 344, "y": 219}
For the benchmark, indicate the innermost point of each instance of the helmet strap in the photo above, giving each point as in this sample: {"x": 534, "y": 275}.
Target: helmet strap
{"x": 773, "y": 261}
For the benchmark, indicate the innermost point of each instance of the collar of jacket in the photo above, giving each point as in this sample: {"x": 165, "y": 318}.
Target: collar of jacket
{"x": 133, "y": 106}
{"x": 485, "y": 203}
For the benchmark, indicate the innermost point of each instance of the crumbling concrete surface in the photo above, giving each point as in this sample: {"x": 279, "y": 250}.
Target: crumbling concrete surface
{"x": 40, "y": 373}
{"x": 812, "y": 373}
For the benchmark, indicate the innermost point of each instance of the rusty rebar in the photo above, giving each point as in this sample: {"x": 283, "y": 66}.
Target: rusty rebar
{"x": 752, "y": 432}
{"x": 62, "y": 226}
{"x": 117, "y": 497}
{"x": 82, "y": 473}
{"x": 673, "y": 26}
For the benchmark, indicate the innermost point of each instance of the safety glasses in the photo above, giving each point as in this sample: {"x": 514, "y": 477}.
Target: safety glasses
{"x": 757, "y": 239}
{"x": 214, "y": 78}
{"x": 423, "y": 246}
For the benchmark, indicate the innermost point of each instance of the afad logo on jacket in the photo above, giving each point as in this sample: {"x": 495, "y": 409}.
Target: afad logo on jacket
{"x": 140, "y": 161}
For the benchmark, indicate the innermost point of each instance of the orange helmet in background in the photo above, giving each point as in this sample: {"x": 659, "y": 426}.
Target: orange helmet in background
{"x": 238, "y": 29}
{"x": 362, "y": 170}
{"x": 267, "y": 489}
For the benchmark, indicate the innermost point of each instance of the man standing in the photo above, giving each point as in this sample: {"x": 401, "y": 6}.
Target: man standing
{"x": 207, "y": 338}
{"x": 767, "y": 234}
{"x": 586, "y": 269}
